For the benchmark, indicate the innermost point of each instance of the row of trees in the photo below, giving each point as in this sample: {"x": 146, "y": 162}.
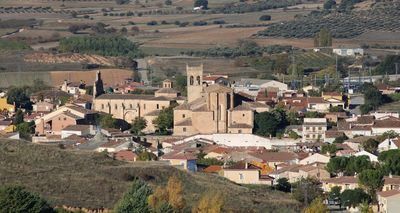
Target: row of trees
{"x": 243, "y": 48}
{"x": 101, "y": 45}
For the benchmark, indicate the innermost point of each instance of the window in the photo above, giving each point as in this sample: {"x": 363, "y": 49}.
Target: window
{"x": 239, "y": 131}
{"x": 130, "y": 106}
{"x": 347, "y": 186}
{"x": 240, "y": 176}
{"x": 183, "y": 115}
{"x": 65, "y": 118}
{"x": 243, "y": 115}
{"x": 116, "y": 106}
{"x": 198, "y": 80}
{"x": 59, "y": 118}
{"x": 319, "y": 128}
{"x": 184, "y": 129}
{"x": 158, "y": 106}
{"x": 102, "y": 106}
{"x": 191, "y": 80}
{"x": 307, "y": 128}
{"x": 144, "y": 106}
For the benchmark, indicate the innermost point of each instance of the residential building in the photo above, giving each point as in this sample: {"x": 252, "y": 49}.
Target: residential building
{"x": 182, "y": 159}
{"x": 54, "y": 122}
{"x": 348, "y": 51}
{"x": 215, "y": 79}
{"x": 314, "y": 129}
{"x": 246, "y": 173}
{"x": 391, "y": 182}
{"x": 388, "y": 201}
{"x": 296, "y": 172}
{"x": 6, "y": 106}
{"x": 332, "y": 95}
{"x": 43, "y": 106}
{"x": 372, "y": 157}
{"x": 315, "y": 158}
{"x": 344, "y": 182}
{"x": 125, "y": 155}
{"x": 389, "y": 143}
{"x": 79, "y": 130}
{"x": 73, "y": 88}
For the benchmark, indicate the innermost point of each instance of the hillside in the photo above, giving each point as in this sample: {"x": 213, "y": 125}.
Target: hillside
{"x": 93, "y": 180}
{"x": 382, "y": 17}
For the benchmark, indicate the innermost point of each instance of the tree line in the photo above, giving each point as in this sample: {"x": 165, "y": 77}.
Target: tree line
{"x": 101, "y": 45}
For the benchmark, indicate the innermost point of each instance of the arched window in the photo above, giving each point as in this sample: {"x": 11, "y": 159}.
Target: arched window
{"x": 191, "y": 80}
{"x": 198, "y": 80}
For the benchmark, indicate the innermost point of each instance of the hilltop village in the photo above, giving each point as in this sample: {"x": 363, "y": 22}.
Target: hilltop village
{"x": 250, "y": 131}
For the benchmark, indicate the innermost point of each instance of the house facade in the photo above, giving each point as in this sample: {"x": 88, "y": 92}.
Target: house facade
{"x": 314, "y": 129}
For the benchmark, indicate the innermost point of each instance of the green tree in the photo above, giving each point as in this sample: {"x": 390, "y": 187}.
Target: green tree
{"x": 391, "y": 161}
{"x": 329, "y": 149}
{"x": 107, "y": 121}
{"x": 337, "y": 165}
{"x": 265, "y": 18}
{"x": 17, "y": 199}
{"x": 323, "y": 38}
{"x": 365, "y": 208}
{"x": 334, "y": 194}
{"x": 283, "y": 185}
{"x": 329, "y": 4}
{"x": 138, "y": 125}
{"x": 357, "y": 164}
{"x": 199, "y": 3}
{"x": 19, "y": 96}
{"x": 135, "y": 199}
{"x": 373, "y": 97}
{"x": 19, "y": 117}
{"x": 293, "y": 118}
{"x": 370, "y": 145}
{"x": 353, "y": 198}
{"x": 266, "y": 124}
{"x": 317, "y": 206}
{"x": 164, "y": 120}
{"x": 340, "y": 139}
{"x": 372, "y": 180}
{"x": 25, "y": 129}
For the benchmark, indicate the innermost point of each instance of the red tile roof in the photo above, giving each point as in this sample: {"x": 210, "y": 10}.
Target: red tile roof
{"x": 212, "y": 169}
{"x": 125, "y": 155}
{"x": 388, "y": 193}
{"x": 342, "y": 180}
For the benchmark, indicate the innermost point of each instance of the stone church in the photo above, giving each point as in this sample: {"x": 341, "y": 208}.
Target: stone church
{"x": 211, "y": 109}
{"x": 130, "y": 106}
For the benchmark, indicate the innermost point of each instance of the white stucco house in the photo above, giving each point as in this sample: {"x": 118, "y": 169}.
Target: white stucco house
{"x": 388, "y": 144}
{"x": 315, "y": 158}
{"x": 372, "y": 157}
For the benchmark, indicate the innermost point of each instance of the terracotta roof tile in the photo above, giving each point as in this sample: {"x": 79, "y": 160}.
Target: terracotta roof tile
{"x": 212, "y": 169}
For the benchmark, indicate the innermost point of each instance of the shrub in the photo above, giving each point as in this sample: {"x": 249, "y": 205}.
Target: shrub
{"x": 152, "y": 23}
{"x": 265, "y": 18}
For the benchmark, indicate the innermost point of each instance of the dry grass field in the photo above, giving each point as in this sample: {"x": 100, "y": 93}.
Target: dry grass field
{"x": 92, "y": 180}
